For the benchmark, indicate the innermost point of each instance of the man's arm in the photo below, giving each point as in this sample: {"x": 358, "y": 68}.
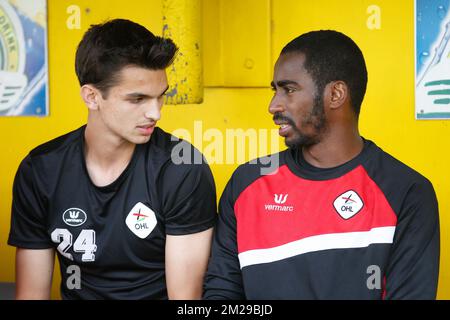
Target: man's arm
{"x": 34, "y": 271}
{"x": 34, "y": 253}
{"x": 186, "y": 262}
{"x": 413, "y": 269}
{"x": 223, "y": 280}
{"x": 188, "y": 203}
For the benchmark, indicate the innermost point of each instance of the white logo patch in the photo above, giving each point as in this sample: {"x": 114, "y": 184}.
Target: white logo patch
{"x": 141, "y": 220}
{"x": 74, "y": 217}
{"x": 280, "y": 198}
{"x": 348, "y": 204}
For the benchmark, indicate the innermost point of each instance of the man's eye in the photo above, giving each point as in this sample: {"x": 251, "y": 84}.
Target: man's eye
{"x": 289, "y": 90}
{"x": 137, "y": 100}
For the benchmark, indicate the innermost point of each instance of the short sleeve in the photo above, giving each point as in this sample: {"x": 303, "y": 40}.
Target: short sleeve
{"x": 188, "y": 198}
{"x": 28, "y": 213}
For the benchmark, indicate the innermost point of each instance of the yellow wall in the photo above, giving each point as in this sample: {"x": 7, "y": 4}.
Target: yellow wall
{"x": 387, "y": 114}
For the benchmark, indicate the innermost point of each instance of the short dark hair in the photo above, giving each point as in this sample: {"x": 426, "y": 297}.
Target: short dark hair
{"x": 106, "y": 48}
{"x": 331, "y": 56}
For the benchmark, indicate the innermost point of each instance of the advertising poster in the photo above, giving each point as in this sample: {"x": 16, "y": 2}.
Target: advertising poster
{"x": 432, "y": 20}
{"x": 23, "y": 58}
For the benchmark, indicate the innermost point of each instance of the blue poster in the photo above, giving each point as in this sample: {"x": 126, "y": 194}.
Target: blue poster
{"x": 432, "y": 59}
{"x": 23, "y": 58}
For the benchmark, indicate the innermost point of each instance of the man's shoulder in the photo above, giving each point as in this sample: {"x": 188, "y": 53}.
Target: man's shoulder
{"x": 176, "y": 160}
{"x": 166, "y": 142}
{"x": 397, "y": 180}
{"x": 163, "y": 140}
{"x": 176, "y": 151}
{"x": 389, "y": 167}
{"x": 43, "y": 161}
{"x": 57, "y": 144}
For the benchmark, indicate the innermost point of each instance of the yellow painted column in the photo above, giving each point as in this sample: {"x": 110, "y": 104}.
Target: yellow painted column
{"x": 237, "y": 43}
{"x": 182, "y": 23}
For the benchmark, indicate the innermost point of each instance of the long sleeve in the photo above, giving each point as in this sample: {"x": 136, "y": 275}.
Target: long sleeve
{"x": 413, "y": 269}
{"x": 223, "y": 279}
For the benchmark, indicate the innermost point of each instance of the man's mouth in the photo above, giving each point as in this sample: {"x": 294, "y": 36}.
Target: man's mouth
{"x": 284, "y": 129}
{"x": 147, "y": 129}
{"x": 285, "y": 126}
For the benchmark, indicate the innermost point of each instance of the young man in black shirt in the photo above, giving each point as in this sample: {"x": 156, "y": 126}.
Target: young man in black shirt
{"x": 125, "y": 221}
{"x": 338, "y": 218}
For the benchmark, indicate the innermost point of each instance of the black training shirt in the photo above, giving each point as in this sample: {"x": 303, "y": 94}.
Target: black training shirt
{"x": 114, "y": 234}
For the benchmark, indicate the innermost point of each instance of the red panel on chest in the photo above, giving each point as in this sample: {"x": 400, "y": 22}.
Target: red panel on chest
{"x": 281, "y": 208}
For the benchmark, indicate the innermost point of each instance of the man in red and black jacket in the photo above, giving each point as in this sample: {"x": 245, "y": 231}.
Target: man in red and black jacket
{"x": 338, "y": 218}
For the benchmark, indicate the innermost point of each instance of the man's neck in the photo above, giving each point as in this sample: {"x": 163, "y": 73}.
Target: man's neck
{"x": 334, "y": 150}
{"x": 106, "y": 155}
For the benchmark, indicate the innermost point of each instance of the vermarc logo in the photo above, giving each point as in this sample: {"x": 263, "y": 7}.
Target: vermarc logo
{"x": 279, "y": 199}
{"x": 74, "y": 217}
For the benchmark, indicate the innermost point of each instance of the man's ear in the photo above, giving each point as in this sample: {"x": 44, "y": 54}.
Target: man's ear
{"x": 90, "y": 96}
{"x": 338, "y": 94}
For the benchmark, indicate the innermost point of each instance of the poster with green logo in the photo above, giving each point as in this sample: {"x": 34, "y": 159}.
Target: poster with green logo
{"x": 432, "y": 59}
{"x": 23, "y": 58}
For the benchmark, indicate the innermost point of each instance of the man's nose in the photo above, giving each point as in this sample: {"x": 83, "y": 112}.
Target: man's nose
{"x": 153, "y": 109}
{"x": 276, "y": 104}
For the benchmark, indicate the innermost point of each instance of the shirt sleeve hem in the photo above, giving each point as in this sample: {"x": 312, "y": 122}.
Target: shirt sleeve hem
{"x": 184, "y": 230}
{"x": 30, "y": 245}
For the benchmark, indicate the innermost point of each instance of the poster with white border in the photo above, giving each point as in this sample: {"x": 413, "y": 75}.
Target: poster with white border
{"x": 432, "y": 40}
{"x": 23, "y": 58}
